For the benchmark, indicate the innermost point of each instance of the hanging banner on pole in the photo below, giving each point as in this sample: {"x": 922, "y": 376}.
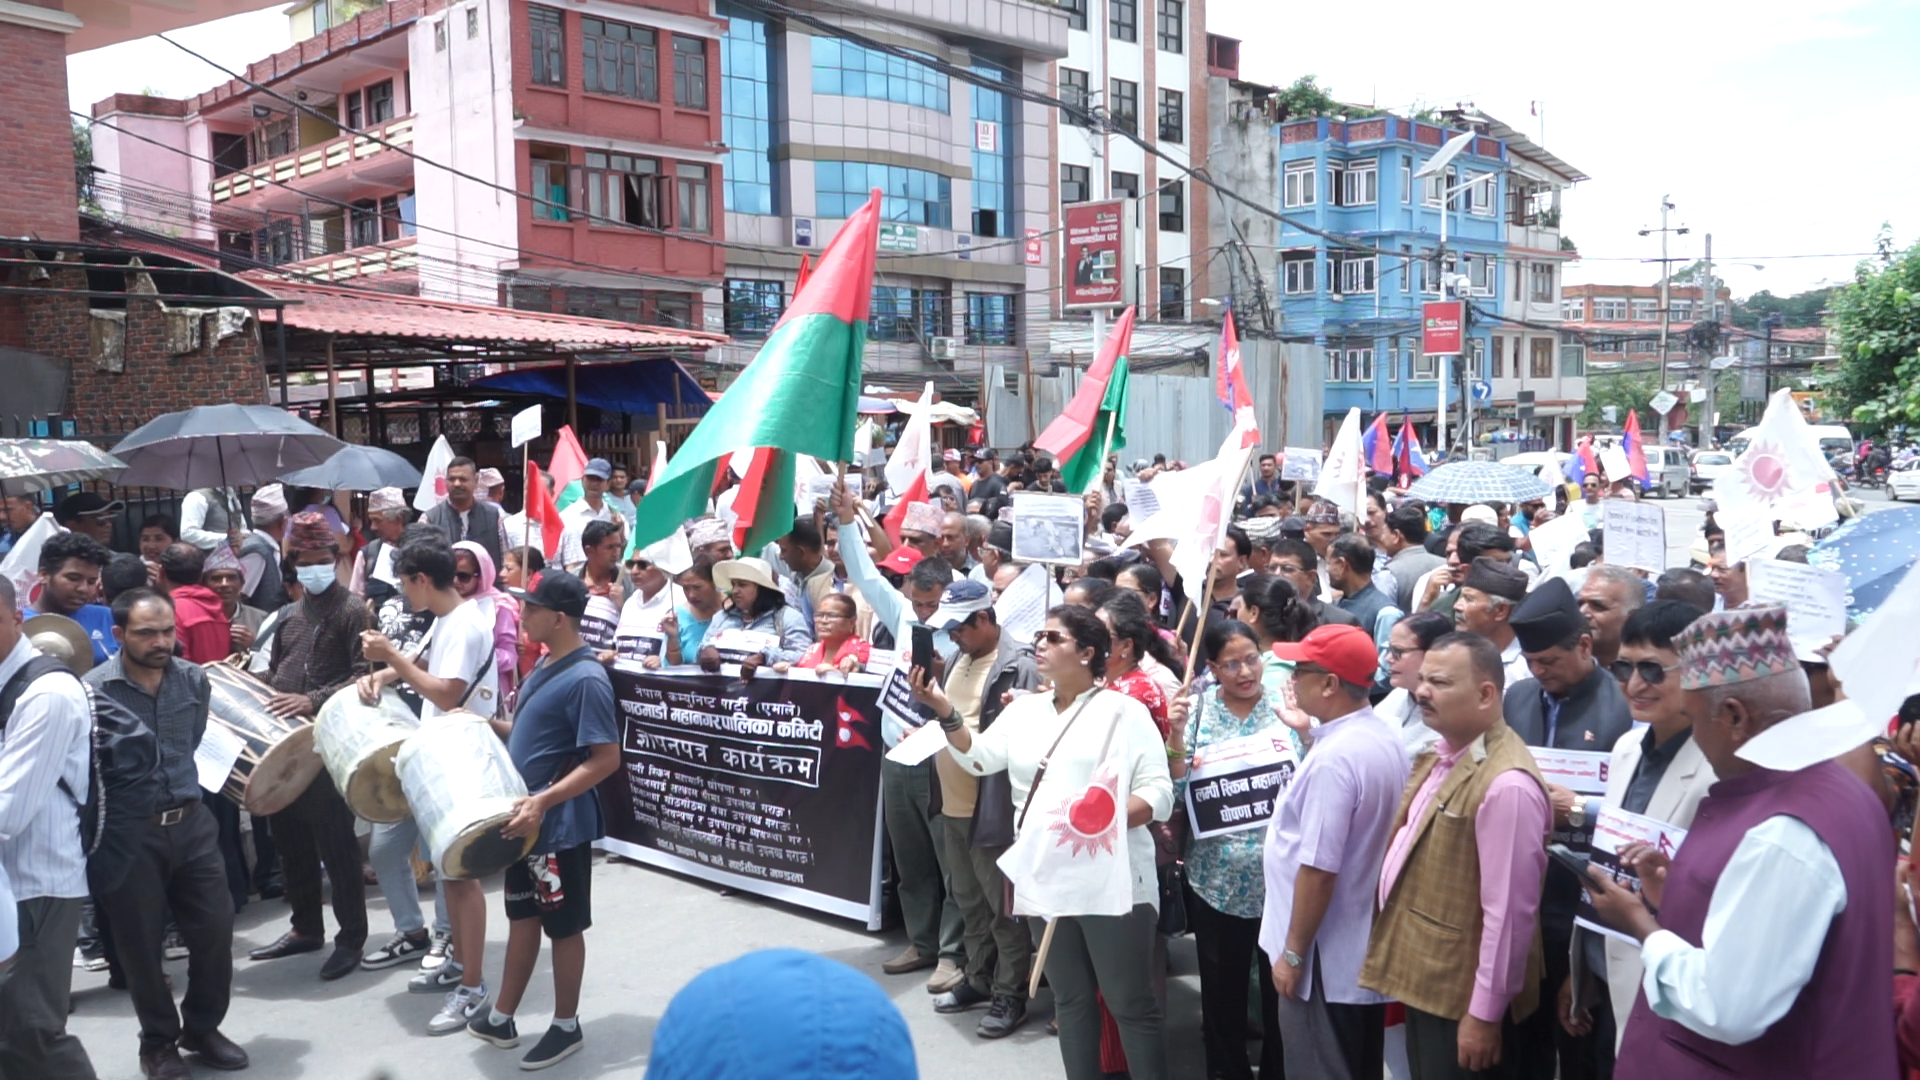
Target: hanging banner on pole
{"x": 1443, "y": 327}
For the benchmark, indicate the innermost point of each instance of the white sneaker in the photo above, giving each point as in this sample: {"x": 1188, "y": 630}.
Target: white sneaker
{"x": 439, "y": 944}
{"x": 436, "y": 980}
{"x": 462, "y": 1005}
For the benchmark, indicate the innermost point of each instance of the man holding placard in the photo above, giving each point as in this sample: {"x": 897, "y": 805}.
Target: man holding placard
{"x": 1572, "y": 710}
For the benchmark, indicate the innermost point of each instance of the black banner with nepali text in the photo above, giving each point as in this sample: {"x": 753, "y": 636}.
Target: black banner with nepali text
{"x": 770, "y": 785}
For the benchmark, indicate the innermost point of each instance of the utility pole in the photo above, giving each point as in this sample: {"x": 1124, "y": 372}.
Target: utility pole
{"x": 1666, "y": 309}
{"x": 1711, "y": 297}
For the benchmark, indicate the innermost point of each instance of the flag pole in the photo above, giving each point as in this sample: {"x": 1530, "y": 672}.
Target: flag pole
{"x": 1040, "y": 958}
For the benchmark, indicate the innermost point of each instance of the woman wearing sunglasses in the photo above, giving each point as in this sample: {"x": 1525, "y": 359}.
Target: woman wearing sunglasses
{"x": 1070, "y": 728}
{"x": 1226, "y": 883}
{"x": 1660, "y": 773}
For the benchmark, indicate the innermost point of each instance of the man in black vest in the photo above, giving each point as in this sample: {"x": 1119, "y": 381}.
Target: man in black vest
{"x": 464, "y": 517}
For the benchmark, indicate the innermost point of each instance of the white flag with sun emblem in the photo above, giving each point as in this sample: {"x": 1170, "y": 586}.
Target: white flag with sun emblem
{"x": 1070, "y": 857}
{"x": 1782, "y": 470}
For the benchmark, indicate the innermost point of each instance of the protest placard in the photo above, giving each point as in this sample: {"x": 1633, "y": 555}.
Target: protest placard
{"x": 1635, "y": 534}
{"x": 1300, "y": 463}
{"x": 1142, "y": 503}
{"x": 1234, "y": 785}
{"x": 1613, "y": 462}
{"x": 1815, "y": 599}
{"x": 1554, "y": 541}
{"x": 1048, "y": 528}
{"x": 1582, "y": 771}
{"x": 1613, "y": 830}
{"x": 1021, "y": 610}
{"x": 1748, "y": 530}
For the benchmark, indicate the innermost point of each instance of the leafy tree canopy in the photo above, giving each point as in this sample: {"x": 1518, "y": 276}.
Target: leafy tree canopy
{"x": 1876, "y": 326}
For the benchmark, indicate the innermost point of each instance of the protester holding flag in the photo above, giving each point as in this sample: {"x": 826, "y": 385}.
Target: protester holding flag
{"x": 1086, "y": 765}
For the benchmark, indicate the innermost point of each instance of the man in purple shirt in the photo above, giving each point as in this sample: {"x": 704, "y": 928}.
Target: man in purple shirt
{"x": 1323, "y": 858}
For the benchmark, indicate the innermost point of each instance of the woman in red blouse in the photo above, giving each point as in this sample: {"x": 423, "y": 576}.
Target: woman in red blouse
{"x": 836, "y": 647}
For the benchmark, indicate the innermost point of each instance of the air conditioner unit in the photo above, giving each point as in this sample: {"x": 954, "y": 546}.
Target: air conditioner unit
{"x": 943, "y": 348}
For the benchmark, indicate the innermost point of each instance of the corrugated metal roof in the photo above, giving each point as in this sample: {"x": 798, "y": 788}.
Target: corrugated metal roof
{"x": 328, "y": 310}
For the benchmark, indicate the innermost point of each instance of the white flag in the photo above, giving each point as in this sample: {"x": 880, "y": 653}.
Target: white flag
{"x": 22, "y": 564}
{"x": 1206, "y": 527}
{"x": 912, "y": 456}
{"x": 433, "y": 479}
{"x": 1070, "y": 857}
{"x": 1343, "y": 479}
{"x": 1782, "y": 470}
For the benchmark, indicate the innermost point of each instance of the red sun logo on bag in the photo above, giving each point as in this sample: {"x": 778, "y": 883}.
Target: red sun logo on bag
{"x": 1084, "y": 823}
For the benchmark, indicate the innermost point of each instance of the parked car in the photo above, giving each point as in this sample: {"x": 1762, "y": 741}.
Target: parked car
{"x": 1669, "y": 473}
{"x": 1707, "y": 467}
{"x": 1903, "y": 482}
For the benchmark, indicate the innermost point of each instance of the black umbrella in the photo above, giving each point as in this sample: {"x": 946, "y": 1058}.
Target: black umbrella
{"x": 357, "y": 468}
{"x": 221, "y": 446}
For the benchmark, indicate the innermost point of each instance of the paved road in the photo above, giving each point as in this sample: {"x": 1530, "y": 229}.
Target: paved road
{"x": 653, "y": 932}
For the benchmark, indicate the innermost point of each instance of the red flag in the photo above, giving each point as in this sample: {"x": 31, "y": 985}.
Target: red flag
{"x": 760, "y": 483}
{"x": 1230, "y": 384}
{"x": 1071, "y": 429}
{"x": 917, "y": 492}
{"x": 569, "y": 461}
{"x": 800, "y": 282}
{"x": 542, "y": 511}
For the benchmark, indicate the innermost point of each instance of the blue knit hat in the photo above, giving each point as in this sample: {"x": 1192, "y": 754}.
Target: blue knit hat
{"x": 781, "y": 1014}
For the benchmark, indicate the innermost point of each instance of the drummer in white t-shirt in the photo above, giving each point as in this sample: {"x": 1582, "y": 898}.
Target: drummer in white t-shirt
{"x": 458, "y": 674}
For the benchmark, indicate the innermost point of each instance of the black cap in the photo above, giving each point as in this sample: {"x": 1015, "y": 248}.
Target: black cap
{"x": 1548, "y": 616}
{"x": 84, "y": 504}
{"x": 1498, "y": 577}
{"x": 557, "y": 591}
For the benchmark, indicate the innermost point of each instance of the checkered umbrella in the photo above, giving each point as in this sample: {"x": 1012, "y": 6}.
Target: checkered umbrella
{"x": 1469, "y": 482}
{"x": 43, "y": 464}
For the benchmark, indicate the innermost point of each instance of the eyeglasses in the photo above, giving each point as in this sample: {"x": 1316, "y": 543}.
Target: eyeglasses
{"x": 1286, "y": 568}
{"x": 1050, "y": 637}
{"x": 463, "y": 577}
{"x": 1650, "y": 671}
{"x": 1249, "y": 664}
{"x": 639, "y": 564}
{"x": 1395, "y": 652}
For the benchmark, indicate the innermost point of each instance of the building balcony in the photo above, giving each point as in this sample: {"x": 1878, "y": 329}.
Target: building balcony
{"x": 388, "y": 257}
{"x": 334, "y": 168}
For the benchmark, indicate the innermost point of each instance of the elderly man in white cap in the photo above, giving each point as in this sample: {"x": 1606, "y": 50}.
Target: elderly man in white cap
{"x": 491, "y": 484}
{"x": 374, "y": 578}
{"x": 259, "y": 550}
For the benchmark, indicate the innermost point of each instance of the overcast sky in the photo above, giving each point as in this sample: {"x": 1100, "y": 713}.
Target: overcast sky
{"x": 1783, "y": 127}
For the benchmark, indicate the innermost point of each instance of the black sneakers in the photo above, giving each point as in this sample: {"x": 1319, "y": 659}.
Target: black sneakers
{"x": 1003, "y": 1016}
{"x": 555, "y": 1046}
{"x": 399, "y": 949}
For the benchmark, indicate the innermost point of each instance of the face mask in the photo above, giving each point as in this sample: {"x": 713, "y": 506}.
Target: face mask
{"x": 316, "y": 579}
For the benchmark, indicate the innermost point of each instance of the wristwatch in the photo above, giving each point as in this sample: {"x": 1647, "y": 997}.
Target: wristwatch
{"x": 1293, "y": 959}
{"x": 1577, "y": 817}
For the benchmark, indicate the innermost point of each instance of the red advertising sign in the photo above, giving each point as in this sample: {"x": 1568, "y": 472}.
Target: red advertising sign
{"x": 1443, "y": 324}
{"x": 1098, "y": 256}
{"x": 1036, "y": 248}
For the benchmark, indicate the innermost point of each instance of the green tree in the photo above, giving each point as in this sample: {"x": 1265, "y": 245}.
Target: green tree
{"x": 1800, "y": 309}
{"x": 1306, "y": 99}
{"x": 83, "y": 166}
{"x": 1624, "y": 390}
{"x": 1876, "y": 326}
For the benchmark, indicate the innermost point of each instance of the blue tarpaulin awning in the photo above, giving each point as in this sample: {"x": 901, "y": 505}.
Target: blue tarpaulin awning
{"x": 629, "y": 386}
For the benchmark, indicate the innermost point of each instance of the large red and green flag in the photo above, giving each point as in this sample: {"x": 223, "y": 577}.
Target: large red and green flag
{"x": 1094, "y": 423}
{"x": 801, "y": 395}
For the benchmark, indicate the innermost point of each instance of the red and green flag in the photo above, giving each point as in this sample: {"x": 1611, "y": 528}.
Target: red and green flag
{"x": 567, "y": 466}
{"x": 801, "y": 395}
{"x": 1093, "y": 424}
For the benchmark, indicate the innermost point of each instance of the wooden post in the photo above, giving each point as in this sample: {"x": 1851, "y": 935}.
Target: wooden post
{"x": 1040, "y": 957}
{"x": 333, "y": 392}
{"x": 573, "y": 401}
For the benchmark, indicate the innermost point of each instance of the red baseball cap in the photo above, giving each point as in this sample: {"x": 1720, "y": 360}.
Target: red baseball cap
{"x": 901, "y": 559}
{"x": 1347, "y": 651}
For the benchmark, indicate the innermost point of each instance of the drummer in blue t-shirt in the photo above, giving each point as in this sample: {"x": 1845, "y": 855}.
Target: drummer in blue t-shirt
{"x": 565, "y": 740}
{"x": 70, "y": 566}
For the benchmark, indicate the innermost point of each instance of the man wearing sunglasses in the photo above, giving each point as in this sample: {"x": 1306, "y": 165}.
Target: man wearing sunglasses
{"x": 1660, "y": 773}
{"x": 1570, "y": 703}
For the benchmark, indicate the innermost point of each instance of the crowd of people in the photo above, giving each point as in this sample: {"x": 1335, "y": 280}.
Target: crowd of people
{"x": 1408, "y": 905}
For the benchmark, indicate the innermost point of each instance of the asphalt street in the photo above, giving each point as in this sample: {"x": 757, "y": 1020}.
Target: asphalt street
{"x": 653, "y": 931}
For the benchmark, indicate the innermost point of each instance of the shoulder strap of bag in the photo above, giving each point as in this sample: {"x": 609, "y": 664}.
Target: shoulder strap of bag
{"x": 474, "y": 684}
{"x": 1040, "y": 773}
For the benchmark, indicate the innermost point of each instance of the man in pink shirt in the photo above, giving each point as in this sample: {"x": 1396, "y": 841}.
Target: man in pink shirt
{"x": 1460, "y": 884}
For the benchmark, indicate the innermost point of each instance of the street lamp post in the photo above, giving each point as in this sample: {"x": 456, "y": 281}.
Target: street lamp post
{"x": 1666, "y": 307}
{"x": 1437, "y": 166}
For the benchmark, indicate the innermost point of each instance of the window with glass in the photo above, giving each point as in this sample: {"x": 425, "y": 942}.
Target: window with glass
{"x": 1173, "y": 206}
{"x": 1125, "y": 185}
{"x": 991, "y": 319}
{"x": 1298, "y": 186}
{"x": 1483, "y": 274}
{"x": 1076, "y": 97}
{"x": 746, "y": 112}
{"x": 849, "y": 70}
{"x": 1406, "y": 179}
{"x": 620, "y": 60}
{"x": 1426, "y": 367}
{"x": 1482, "y": 188}
{"x": 1173, "y": 116}
{"x": 1476, "y": 358}
{"x": 1573, "y": 310}
{"x": 906, "y": 314}
{"x": 1393, "y": 358}
{"x": 397, "y": 216}
{"x": 473, "y": 23}
{"x": 1123, "y": 105}
{"x": 1173, "y": 294}
{"x": 550, "y": 199}
{"x": 1170, "y": 29}
{"x": 549, "y": 45}
{"x": 992, "y": 168}
{"x": 1076, "y": 183}
{"x": 356, "y": 116}
{"x": 1573, "y": 357}
{"x": 753, "y": 306}
{"x": 1541, "y": 290}
{"x": 1299, "y": 271}
{"x": 1608, "y": 343}
{"x": 696, "y": 197}
{"x": 913, "y": 196}
{"x": 1359, "y": 183}
{"x": 624, "y": 188}
{"x": 1076, "y": 13}
{"x": 365, "y": 227}
{"x": 1605, "y": 310}
{"x": 1357, "y": 274}
{"x": 1540, "y": 358}
{"x": 1646, "y": 311}
{"x": 380, "y": 102}
{"x": 689, "y": 72}
{"x": 1123, "y": 20}
{"x": 1682, "y": 310}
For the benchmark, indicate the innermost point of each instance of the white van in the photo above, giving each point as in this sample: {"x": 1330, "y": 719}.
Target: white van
{"x": 1834, "y": 438}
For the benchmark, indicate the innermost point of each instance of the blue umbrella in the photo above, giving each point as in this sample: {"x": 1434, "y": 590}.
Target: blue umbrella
{"x": 1874, "y": 551}
{"x": 1479, "y": 482}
